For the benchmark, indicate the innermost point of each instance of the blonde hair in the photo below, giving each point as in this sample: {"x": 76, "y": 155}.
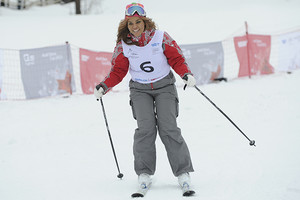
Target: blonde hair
{"x": 123, "y": 30}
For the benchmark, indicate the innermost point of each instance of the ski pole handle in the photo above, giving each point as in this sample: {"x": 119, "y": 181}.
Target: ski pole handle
{"x": 99, "y": 92}
{"x": 185, "y": 85}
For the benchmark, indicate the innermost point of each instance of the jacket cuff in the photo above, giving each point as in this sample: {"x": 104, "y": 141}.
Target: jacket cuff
{"x": 104, "y": 86}
{"x": 186, "y": 74}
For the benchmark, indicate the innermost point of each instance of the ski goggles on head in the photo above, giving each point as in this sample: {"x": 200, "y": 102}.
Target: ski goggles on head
{"x": 135, "y": 8}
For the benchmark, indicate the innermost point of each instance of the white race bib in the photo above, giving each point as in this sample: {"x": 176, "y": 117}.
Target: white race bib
{"x": 147, "y": 64}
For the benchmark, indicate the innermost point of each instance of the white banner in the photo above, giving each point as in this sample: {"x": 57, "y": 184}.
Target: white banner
{"x": 289, "y": 52}
{"x": 1, "y": 74}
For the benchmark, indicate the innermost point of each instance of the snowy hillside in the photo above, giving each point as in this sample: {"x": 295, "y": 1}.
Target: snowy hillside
{"x": 58, "y": 148}
{"x": 196, "y": 21}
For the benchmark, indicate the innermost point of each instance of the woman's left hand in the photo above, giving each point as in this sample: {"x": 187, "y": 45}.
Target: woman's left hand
{"x": 189, "y": 80}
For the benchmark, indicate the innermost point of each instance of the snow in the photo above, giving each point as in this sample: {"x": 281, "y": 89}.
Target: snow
{"x": 58, "y": 148}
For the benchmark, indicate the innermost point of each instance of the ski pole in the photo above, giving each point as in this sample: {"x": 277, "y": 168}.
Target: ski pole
{"x": 252, "y": 142}
{"x": 120, "y": 175}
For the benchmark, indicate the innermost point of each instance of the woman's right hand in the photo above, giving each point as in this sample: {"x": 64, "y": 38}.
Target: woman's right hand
{"x": 98, "y": 92}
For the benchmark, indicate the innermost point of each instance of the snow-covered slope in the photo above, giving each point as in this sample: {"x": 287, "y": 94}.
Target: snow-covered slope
{"x": 58, "y": 148}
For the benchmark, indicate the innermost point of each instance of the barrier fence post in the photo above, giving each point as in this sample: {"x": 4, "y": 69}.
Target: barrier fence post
{"x": 248, "y": 57}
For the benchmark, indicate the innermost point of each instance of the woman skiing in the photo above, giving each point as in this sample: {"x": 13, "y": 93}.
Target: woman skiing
{"x": 149, "y": 54}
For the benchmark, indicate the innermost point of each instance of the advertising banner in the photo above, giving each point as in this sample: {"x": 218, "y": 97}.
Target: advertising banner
{"x": 206, "y": 61}
{"x": 94, "y": 67}
{"x": 47, "y": 71}
{"x": 1, "y": 73}
{"x": 289, "y": 52}
{"x": 253, "y": 53}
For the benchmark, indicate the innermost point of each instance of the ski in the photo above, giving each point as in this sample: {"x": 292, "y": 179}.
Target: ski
{"x": 141, "y": 192}
{"x": 188, "y": 193}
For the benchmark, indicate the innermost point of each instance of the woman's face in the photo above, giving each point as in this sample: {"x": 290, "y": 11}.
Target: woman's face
{"x": 136, "y": 26}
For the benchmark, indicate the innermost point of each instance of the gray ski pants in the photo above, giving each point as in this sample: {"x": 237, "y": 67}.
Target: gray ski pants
{"x": 156, "y": 109}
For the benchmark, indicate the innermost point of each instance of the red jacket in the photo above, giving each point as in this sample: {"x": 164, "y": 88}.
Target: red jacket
{"x": 120, "y": 63}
